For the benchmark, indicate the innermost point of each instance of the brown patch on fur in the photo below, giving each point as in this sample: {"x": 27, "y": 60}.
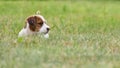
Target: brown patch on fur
{"x": 35, "y": 23}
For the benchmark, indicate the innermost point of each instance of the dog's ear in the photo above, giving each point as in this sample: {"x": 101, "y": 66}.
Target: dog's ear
{"x": 31, "y": 21}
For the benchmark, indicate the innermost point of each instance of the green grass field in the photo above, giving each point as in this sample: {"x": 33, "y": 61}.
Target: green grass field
{"x": 84, "y": 34}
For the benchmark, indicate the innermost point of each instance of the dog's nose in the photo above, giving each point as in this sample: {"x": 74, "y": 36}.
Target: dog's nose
{"x": 48, "y": 29}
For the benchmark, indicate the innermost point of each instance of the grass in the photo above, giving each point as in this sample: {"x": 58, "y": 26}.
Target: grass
{"x": 84, "y": 34}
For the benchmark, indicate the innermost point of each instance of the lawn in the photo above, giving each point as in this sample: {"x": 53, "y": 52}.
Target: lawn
{"x": 84, "y": 34}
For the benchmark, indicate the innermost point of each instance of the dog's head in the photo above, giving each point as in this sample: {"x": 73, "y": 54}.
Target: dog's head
{"x": 37, "y": 23}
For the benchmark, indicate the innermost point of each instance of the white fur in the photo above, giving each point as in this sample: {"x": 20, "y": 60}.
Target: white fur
{"x": 46, "y": 35}
{"x": 43, "y": 28}
{"x": 26, "y": 31}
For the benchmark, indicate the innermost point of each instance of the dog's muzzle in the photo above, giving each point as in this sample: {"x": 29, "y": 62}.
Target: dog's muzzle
{"x": 48, "y": 29}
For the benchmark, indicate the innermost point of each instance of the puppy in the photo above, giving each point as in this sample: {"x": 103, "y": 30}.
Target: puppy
{"x": 35, "y": 24}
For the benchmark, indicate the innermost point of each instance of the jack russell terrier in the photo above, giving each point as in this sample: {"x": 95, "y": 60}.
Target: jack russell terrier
{"x": 35, "y": 24}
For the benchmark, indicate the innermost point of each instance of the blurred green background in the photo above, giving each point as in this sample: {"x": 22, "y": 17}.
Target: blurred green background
{"x": 84, "y": 34}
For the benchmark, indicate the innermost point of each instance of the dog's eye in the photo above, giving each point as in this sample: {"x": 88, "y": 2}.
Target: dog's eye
{"x": 40, "y": 23}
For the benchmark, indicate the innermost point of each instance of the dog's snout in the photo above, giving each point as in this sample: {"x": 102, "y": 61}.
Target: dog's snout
{"x": 48, "y": 29}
